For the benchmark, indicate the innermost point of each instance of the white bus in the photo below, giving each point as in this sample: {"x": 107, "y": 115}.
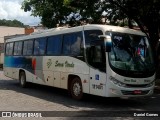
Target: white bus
{"x": 101, "y": 60}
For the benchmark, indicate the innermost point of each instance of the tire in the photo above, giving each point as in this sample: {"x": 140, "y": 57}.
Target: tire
{"x": 22, "y": 80}
{"x": 76, "y": 90}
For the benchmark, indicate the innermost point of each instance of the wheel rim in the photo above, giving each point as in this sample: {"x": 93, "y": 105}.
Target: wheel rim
{"x": 22, "y": 80}
{"x": 76, "y": 89}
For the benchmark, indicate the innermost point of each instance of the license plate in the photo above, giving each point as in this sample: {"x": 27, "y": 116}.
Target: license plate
{"x": 137, "y": 92}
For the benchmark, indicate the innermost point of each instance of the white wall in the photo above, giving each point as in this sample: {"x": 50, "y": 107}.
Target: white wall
{"x": 7, "y": 31}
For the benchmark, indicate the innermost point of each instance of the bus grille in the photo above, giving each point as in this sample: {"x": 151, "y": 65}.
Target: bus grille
{"x": 143, "y": 92}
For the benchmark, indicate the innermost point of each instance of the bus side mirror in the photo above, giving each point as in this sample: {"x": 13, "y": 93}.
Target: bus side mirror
{"x": 107, "y": 42}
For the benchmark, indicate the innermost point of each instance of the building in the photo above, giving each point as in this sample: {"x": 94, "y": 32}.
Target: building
{"x": 7, "y": 31}
{"x": 10, "y": 32}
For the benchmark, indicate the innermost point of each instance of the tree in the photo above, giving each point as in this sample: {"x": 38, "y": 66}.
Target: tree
{"x": 145, "y": 14}
{"x": 72, "y": 12}
{"x": 52, "y": 12}
{"x": 11, "y": 23}
{"x": 61, "y": 12}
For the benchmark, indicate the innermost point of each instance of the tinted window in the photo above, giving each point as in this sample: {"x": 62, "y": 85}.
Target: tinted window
{"x": 40, "y": 46}
{"x": 54, "y": 45}
{"x": 92, "y": 35}
{"x": 76, "y": 44}
{"x": 72, "y": 43}
{"x": 28, "y": 47}
{"x": 66, "y": 44}
{"x": 17, "y": 48}
{"x": 95, "y": 50}
{"x": 20, "y": 48}
{"x": 9, "y": 48}
{"x": 25, "y": 48}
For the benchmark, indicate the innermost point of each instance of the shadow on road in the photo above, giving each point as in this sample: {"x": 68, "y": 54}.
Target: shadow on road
{"x": 60, "y": 96}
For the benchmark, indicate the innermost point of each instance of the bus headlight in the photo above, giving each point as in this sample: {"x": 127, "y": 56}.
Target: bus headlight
{"x": 117, "y": 82}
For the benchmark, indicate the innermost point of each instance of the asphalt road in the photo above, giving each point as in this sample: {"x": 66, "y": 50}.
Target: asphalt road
{"x": 41, "y": 98}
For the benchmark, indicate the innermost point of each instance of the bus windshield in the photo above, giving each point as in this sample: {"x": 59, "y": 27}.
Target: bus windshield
{"x": 130, "y": 53}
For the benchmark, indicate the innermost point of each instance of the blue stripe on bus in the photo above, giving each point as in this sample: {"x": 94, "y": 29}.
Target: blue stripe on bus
{"x": 18, "y": 62}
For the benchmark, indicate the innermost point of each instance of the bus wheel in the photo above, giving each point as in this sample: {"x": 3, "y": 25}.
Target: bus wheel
{"x": 22, "y": 79}
{"x": 76, "y": 89}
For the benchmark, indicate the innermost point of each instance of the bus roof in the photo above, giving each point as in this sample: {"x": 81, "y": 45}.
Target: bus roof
{"x": 61, "y": 30}
{"x": 116, "y": 29}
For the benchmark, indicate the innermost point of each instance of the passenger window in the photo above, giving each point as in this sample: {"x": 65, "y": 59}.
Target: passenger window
{"x": 9, "y": 48}
{"x": 54, "y": 45}
{"x": 40, "y": 46}
{"x": 17, "y": 48}
{"x": 72, "y": 44}
{"x": 25, "y": 48}
{"x": 19, "y": 52}
{"x": 76, "y": 44}
{"x": 66, "y": 44}
{"x": 28, "y": 47}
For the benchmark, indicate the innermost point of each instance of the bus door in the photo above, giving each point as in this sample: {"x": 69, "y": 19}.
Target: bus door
{"x": 95, "y": 57}
{"x": 97, "y": 61}
{"x": 97, "y": 82}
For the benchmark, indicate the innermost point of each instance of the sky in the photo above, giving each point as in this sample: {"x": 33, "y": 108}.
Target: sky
{"x": 11, "y": 9}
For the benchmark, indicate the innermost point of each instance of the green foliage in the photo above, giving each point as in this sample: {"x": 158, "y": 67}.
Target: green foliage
{"x": 52, "y": 12}
{"x": 55, "y": 12}
{"x": 146, "y": 14}
{"x": 11, "y": 23}
{"x": 119, "y": 12}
